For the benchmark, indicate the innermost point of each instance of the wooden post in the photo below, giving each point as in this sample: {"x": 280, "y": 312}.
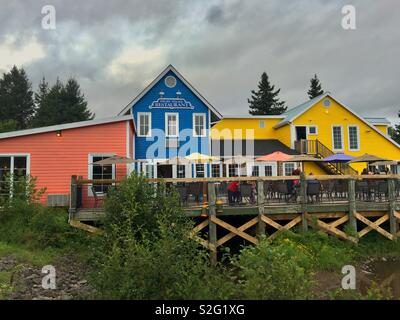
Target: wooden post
{"x": 261, "y": 206}
{"x": 392, "y": 207}
{"x": 303, "y": 201}
{"x": 352, "y": 206}
{"x": 212, "y": 227}
{"x": 73, "y": 197}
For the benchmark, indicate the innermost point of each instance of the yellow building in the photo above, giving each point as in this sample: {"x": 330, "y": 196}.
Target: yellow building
{"x": 320, "y": 127}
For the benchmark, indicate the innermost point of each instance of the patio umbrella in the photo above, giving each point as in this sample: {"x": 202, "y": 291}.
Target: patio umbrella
{"x": 275, "y": 156}
{"x": 303, "y": 158}
{"x": 175, "y": 161}
{"x": 200, "y": 158}
{"x": 116, "y": 160}
{"x": 369, "y": 158}
{"x": 239, "y": 160}
{"x": 339, "y": 158}
{"x": 385, "y": 163}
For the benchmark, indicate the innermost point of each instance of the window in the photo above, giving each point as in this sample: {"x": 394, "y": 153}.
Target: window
{"x": 312, "y": 130}
{"x": 180, "y": 171}
{"x": 215, "y": 170}
{"x": 268, "y": 171}
{"x": 354, "y": 142}
{"x": 337, "y": 137}
{"x": 171, "y": 124}
{"x": 233, "y": 170}
{"x": 144, "y": 124}
{"x": 289, "y": 167}
{"x": 255, "y": 171}
{"x": 262, "y": 124}
{"x": 199, "y": 124}
{"x": 12, "y": 169}
{"x": 200, "y": 171}
{"x": 98, "y": 172}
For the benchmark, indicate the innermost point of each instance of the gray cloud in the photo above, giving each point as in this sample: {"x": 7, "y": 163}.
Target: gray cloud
{"x": 114, "y": 48}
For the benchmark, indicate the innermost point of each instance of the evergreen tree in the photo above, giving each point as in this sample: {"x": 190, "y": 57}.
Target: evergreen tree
{"x": 60, "y": 104}
{"x": 16, "y": 98}
{"x": 265, "y": 101}
{"x": 394, "y": 132}
{"x": 315, "y": 88}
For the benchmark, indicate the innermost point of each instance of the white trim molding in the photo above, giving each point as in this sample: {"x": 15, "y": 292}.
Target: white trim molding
{"x": 167, "y": 134}
{"x": 358, "y": 137}
{"x": 203, "y": 115}
{"x": 341, "y": 137}
{"x": 138, "y": 124}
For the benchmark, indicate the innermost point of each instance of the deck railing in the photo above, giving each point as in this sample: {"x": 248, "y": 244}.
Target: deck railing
{"x": 272, "y": 204}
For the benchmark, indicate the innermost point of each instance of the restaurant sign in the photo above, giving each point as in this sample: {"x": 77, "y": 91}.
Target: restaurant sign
{"x": 171, "y": 103}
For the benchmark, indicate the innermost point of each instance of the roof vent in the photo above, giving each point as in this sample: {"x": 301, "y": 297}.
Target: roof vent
{"x": 327, "y": 103}
{"x": 170, "y": 81}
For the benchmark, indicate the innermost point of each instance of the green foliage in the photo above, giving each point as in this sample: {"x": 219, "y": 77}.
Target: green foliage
{"x": 329, "y": 253}
{"x": 265, "y": 101}
{"x": 147, "y": 252}
{"x": 60, "y": 104}
{"x": 8, "y": 125}
{"x": 374, "y": 292}
{"x": 25, "y": 221}
{"x": 16, "y": 101}
{"x": 394, "y": 132}
{"x": 315, "y": 88}
{"x": 279, "y": 270}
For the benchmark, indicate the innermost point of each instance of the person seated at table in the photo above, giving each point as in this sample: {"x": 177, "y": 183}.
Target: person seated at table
{"x": 233, "y": 192}
{"x": 364, "y": 172}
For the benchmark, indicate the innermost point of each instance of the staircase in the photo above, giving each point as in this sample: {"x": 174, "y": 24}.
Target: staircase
{"x": 319, "y": 150}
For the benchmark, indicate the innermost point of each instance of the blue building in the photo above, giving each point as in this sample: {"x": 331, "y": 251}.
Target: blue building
{"x": 172, "y": 119}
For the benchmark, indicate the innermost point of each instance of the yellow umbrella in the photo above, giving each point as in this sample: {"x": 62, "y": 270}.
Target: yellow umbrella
{"x": 200, "y": 158}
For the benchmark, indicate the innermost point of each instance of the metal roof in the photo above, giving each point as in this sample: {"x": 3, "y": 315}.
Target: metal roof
{"x": 376, "y": 120}
{"x": 64, "y": 126}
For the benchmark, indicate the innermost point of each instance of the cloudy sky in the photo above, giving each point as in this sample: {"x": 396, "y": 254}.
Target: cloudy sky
{"x": 115, "y": 48}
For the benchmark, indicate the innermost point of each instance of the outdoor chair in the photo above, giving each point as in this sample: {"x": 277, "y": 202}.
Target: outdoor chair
{"x": 97, "y": 199}
{"x": 382, "y": 190}
{"x": 328, "y": 188}
{"x": 183, "y": 194}
{"x": 314, "y": 190}
{"x": 196, "y": 190}
{"x": 246, "y": 192}
{"x": 362, "y": 190}
{"x": 283, "y": 191}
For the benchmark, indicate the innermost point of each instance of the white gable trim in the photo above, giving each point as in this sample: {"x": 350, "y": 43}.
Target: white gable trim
{"x": 348, "y": 109}
{"x": 161, "y": 75}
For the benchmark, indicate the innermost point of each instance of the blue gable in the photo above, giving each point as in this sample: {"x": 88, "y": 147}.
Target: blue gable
{"x": 160, "y": 99}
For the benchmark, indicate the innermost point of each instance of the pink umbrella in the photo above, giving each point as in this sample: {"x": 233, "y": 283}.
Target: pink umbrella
{"x": 275, "y": 156}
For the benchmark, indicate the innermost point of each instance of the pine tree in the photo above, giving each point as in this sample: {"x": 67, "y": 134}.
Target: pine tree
{"x": 60, "y": 104}
{"x": 265, "y": 101}
{"x": 394, "y": 132}
{"x": 315, "y": 88}
{"x": 16, "y": 98}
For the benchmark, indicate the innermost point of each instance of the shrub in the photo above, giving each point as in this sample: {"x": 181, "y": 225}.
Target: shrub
{"x": 279, "y": 270}
{"x": 147, "y": 251}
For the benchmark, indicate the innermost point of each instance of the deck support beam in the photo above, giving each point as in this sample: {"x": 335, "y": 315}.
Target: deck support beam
{"x": 212, "y": 227}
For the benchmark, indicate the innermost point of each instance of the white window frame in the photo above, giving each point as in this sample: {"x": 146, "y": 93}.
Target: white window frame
{"x": 90, "y": 169}
{"x": 12, "y": 155}
{"x": 342, "y": 137}
{"x": 176, "y": 114}
{"x": 316, "y": 130}
{"x": 203, "y": 115}
{"x": 358, "y": 137}
{"x": 204, "y": 169}
{"x": 139, "y": 124}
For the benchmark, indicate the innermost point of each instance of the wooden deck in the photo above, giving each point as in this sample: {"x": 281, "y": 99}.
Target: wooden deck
{"x": 271, "y": 219}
